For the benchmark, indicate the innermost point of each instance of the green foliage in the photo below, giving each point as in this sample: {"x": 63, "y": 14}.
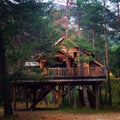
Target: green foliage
{"x": 84, "y": 45}
{"x": 70, "y": 41}
{"x": 27, "y": 30}
{"x": 114, "y": 60}
{"x": 115, "y": 91}
{"x": 85, "y": 58}
{"x": 115, "y": 87}
{"x": 32, "y": 73}
{"x": 90, "y": 14}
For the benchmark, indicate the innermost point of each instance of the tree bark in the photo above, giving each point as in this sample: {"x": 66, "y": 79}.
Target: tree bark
{"x": 5, "y": 86}
{"x": 107, "y": 56}
{"x": 67, "y": 18}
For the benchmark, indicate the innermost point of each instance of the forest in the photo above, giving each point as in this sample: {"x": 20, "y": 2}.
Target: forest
{"x": 30, "y": 27}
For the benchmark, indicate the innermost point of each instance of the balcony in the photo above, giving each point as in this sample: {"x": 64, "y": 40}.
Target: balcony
{"x": 75, "y": 72}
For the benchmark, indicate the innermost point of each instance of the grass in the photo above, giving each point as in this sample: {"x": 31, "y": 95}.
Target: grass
{"x": 103, "y": 109}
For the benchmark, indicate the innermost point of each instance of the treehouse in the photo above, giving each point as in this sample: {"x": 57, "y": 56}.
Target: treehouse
{"x": 71, "y": 70}
{"x": 71, "y": 61}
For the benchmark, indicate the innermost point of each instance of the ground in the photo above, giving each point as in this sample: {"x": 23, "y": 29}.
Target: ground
{"x": 60, "y": 115}
{"x": 49, "y": 115}
{"x": 64, "y": 113}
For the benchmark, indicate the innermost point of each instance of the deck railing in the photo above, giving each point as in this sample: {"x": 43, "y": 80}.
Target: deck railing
{"x": 76, "y": 71}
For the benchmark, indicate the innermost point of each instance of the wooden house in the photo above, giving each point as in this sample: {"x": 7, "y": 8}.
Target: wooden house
{"x": 68, "y": 73}
{"x": 69, "y": 58}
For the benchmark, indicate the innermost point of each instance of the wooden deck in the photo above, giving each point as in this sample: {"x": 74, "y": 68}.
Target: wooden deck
{"x": 67, "y": 75}
{"x": 60, "y": 81}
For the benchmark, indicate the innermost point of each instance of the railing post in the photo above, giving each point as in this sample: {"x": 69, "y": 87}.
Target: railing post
{"x": 78, "y": 69}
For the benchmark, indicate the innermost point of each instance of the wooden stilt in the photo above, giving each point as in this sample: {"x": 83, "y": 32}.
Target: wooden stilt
{"x": 97, "y": 96}
{"x": 26, "y": 97}
{"x": 100, "y": 92}
{"x": 75, "y": 97}
{"x": 86, "y": 100}
{"x": 53, "y": 98}
{"x": 14, "y": 97}
{"x": 72, "y": 95}
{"x": 96, "y": 91}
{"x": 62, "y": 95}
{"x": 69, "y": 95}
{"x": 59, "y": 96}
{"x": 62, "y": 91}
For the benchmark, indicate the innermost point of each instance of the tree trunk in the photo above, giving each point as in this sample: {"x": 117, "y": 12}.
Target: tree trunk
{"x": 85, "y": 96}
{"x": 106, "y": 55}
{"x": 67, "y": 19}
{"x": 5, "y": 86}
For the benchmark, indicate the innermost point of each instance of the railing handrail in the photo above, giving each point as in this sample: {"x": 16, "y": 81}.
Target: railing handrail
{"x": 76, "y": 71}
{"x": 73, "y": 67}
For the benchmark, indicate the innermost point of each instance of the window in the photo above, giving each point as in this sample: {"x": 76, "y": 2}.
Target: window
{"x": 75, "y": 54}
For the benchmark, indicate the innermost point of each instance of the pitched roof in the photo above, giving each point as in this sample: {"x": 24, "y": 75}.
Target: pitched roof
{"x": 65, "y": 53}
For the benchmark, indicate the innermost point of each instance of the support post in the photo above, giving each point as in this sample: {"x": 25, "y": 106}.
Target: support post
{"x": 69, "y": 95}
{"x": 59, "y": 96}
{"x": 97, "y": 96}
{"x": 100, "y": 100}
{"x": 53, "y": 98}
{"x": 26, "y": 97}
{"x": 62, "y": 94}
{"x": 96, "y": 91}
{"x": 14, "y": 97}
{"x": 75, "y": 104}
{"x": 62, "y": 90}
{"x": 86, "y": 100}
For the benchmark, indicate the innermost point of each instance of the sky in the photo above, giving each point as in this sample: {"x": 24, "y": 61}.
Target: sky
{"x": 63, "y": 2}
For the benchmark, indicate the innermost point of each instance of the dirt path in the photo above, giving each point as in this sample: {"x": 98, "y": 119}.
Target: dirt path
{"x": 52, "y": 115}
